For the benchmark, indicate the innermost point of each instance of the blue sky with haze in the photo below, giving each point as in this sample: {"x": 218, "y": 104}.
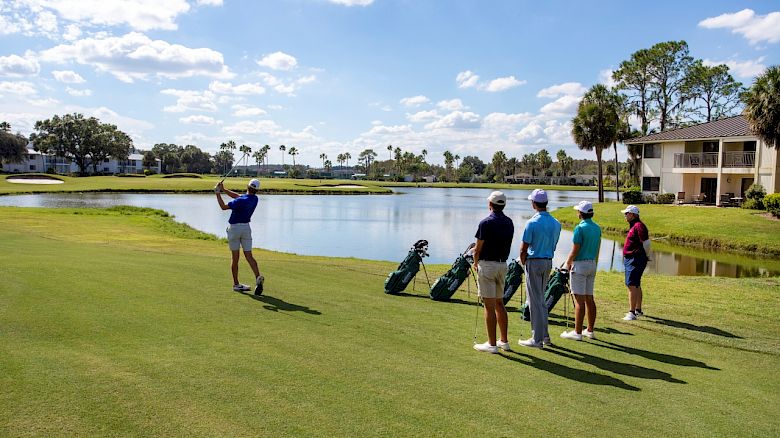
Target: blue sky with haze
{"x": 333, "y": 76}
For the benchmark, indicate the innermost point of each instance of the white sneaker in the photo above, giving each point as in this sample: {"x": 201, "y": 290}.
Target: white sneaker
{"x": 546, "y": 341}
{"x": 503, "y": 345}
{"x": 259, "y": 285}
{"x": 531, "y": 343}
{"x": 589, "y": 335}
{"x": 639, "y": 313}
{"x": 629, "y": 316}
{"x": 241, "y": 288}
{"x": 486, "y": 347}
{"x": 574, "y": 336}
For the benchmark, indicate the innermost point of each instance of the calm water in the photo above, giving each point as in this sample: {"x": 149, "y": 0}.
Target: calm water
{"x": 382, "y": 227}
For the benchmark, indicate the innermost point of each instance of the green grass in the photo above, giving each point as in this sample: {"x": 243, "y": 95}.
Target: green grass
{"x": 728, "y": 229}
{"x": 160, "y": 184}
{"x": 113, "y": 323}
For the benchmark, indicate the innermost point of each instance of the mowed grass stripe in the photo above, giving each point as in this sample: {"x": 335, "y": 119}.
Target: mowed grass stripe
{"x": 142, "y": 336}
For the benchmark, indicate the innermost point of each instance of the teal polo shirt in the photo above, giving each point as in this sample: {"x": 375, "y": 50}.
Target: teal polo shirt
{"x": 587, "y": 234}
{"x": 541, "y": 234}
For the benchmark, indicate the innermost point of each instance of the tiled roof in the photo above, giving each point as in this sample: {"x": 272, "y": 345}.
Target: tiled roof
{"x": 736, "y": 126}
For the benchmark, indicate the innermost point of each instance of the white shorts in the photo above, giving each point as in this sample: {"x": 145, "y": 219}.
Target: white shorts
{"x": 239, "y": 236}
{"x": 583, "y": 276}
{"x": 491, "y": 279}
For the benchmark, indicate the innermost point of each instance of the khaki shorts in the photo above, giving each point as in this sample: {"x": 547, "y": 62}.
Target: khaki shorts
{"x": 583, "y": 276}
{"x": 491, "y": 279}
{"x": 239, "y": 236}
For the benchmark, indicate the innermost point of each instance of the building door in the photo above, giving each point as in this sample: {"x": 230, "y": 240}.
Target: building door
{"x": 708, "y": 188}
{"x": 746, "y": 183}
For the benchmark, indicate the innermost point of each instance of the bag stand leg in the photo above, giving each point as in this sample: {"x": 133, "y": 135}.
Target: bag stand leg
{"x": 479, "y": 301}
{"x": 520, "y": 307}
{"x": 426, "y": 274}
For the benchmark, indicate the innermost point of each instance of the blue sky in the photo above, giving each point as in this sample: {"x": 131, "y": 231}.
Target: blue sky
{"x": 334, "y": 76}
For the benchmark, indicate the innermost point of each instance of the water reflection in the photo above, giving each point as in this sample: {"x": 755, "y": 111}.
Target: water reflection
{"x": 383, "y": 227}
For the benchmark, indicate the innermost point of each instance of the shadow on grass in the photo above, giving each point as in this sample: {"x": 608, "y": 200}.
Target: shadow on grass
{"x": 689, "y": 326}
{"x": 275, "y": 305}
{"x": 562, "y": 323}
{"x": 622, "y": 368}
{"x": 567, "y": 372}
{"x": 452, "y": 300}
{"x": 660, "y": 357}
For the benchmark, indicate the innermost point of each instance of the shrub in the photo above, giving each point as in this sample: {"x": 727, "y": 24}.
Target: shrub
{"x": 633, "y": 196}
{"x": 130, "y": 175}
{"x": 666, "y": 198}
{"x": 182, "y": 175}
{"x": 756, "y": 194}
{"x": 772, "y": 204}
{"x": 148, "y": 172}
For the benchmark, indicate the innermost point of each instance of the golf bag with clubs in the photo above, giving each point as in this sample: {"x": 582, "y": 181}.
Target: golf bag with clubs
{"x": 447, "y": 284}
{"x": 398, "y": 280}
{"x": 557, "y": 286}
{"x": 513, "y": 280}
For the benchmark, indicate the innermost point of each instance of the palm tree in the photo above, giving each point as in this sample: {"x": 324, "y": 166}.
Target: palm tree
{"x": 390, "y": 149}
{"x": 398, "y": 163}
{"x": 448, "y": 159}
{"x": 762, "y": 106}
{"x": 596, "y": 125}
{"x": 266, "y": 149}
{"x": 327, "y": 165}
{"x": 245, "y": 151}
{"x": 499, "y": 161}
{"x": 347, "y": 157}
{"x": 259, "y": 156}
{"x": 282, "y": 148}
{"x": 340, "y": 159}
{"x": 293, "y": 151}
{"x": 323, "y": 157}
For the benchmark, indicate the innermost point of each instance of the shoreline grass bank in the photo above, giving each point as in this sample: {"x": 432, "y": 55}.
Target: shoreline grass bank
{"x": 113, "y": 324}
{"x": 723, "y": 229}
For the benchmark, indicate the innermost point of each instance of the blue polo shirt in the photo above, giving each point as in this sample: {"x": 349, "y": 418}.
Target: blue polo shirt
{"x": 496, "y": 232}
{"x": 242, "y": 209}
{"x": 587, "y": 234}
{"x": 541, "y": 234}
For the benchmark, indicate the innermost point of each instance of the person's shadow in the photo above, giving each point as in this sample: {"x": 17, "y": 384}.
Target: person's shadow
{"x": 625, "y": 369}
{"x": 275, "y": 305}
{"x": 575, "y": 374}
{"x": 688, "y": 326}
{"x": 660, "y": 357}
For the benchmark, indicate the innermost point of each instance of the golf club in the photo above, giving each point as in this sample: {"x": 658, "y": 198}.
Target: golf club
{"x": 476, "y": 318}
{"x": 234, "y": 167}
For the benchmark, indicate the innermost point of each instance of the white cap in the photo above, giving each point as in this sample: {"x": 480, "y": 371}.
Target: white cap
{"x": 631, "y": 209}
{"x": 538, "y": 195}
{"x": 255, "y": 184}
{"x": 584, "y": 207}
{"x": 498, "y": 198}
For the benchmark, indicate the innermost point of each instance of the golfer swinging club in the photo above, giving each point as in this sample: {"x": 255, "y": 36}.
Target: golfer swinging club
{"x": 239, "y": 232}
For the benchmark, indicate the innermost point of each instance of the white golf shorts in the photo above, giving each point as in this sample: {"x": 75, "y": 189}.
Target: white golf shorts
{"x": 239, "y": 236}
{"x": 583, "y": 276}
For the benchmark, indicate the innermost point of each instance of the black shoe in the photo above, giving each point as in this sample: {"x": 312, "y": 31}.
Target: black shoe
{"x": 259, "y": 287}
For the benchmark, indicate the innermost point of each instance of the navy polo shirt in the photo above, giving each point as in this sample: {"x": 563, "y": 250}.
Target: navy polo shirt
{"x": 242, "y": 209}
{"x": 496, "y": 231}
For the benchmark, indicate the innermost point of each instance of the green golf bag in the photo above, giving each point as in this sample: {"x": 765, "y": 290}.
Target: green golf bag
{"x": 447, "y": 284}
{"x": 398, "y": 280}
{"x": 513, "y": 280}
{"x": 557, "y": 286}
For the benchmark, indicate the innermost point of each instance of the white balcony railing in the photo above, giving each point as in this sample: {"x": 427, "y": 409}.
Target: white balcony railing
{"x": 739, "y": 159}
{"x": 696, "y": 159}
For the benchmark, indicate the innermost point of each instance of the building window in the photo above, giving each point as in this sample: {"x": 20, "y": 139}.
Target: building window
{"x": 652, "y": 151}
{"x": 651, "y": 183}
{"x": 106, "y": 160}
{"x": 32, "y": 166}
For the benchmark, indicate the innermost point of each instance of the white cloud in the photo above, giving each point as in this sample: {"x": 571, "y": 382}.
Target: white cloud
{"x": 288, "y": 88}
{"x": 504, "y": 122}
{"x": 745, "y": 69}
{"x": 46, "y": 22}
{"x": 17, "y": 66}
{"x": 467, "y": 79}
{"x": 247, "y": 111}
{"x": 451, "y": 105}
{"x": 278, "y": 61}
{"x": 756, "y": 28}
{"x": 352, "y": 2}
{"x": 135, "y": 56}
{"x": 456, "y": 120}
{"x": 197, "y": 120}
{"x": 423, "y": 116}
{"x": 564, "y": 105}
{"x": 568, "y": 88}
{"x": 503, "y": 84}
{"x": 605, "y": 78}
{"x": 21, "y": 88}
{"x": 209, "y": 2}
{"x": 137, "y": 14}
{"x": 67, "y": 77}
{"x": 78, "y": 93}
{"x": 72, "y": 33}
{"x": 414, "y": 101}
{"x": 241, "y": 89}
{"x": 306, "y": 80}
{"x": 189, "y": 100}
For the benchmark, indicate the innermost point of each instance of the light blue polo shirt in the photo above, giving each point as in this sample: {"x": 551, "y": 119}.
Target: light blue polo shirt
{"x": 587, "y": 234}
{"x": 541, "y": 234}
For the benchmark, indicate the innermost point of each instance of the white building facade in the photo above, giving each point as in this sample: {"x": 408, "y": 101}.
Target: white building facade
{"x": 711, "y": 163}
{"x": 37, "y": 162}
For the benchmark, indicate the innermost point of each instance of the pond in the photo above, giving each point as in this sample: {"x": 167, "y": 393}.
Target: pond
{"x": 383, "y": 227}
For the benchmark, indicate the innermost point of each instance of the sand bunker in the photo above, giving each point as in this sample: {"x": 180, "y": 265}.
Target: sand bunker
{"x": 33, "y": 180}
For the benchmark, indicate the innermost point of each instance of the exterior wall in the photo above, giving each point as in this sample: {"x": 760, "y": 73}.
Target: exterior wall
{"x": 41, "y": 163}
